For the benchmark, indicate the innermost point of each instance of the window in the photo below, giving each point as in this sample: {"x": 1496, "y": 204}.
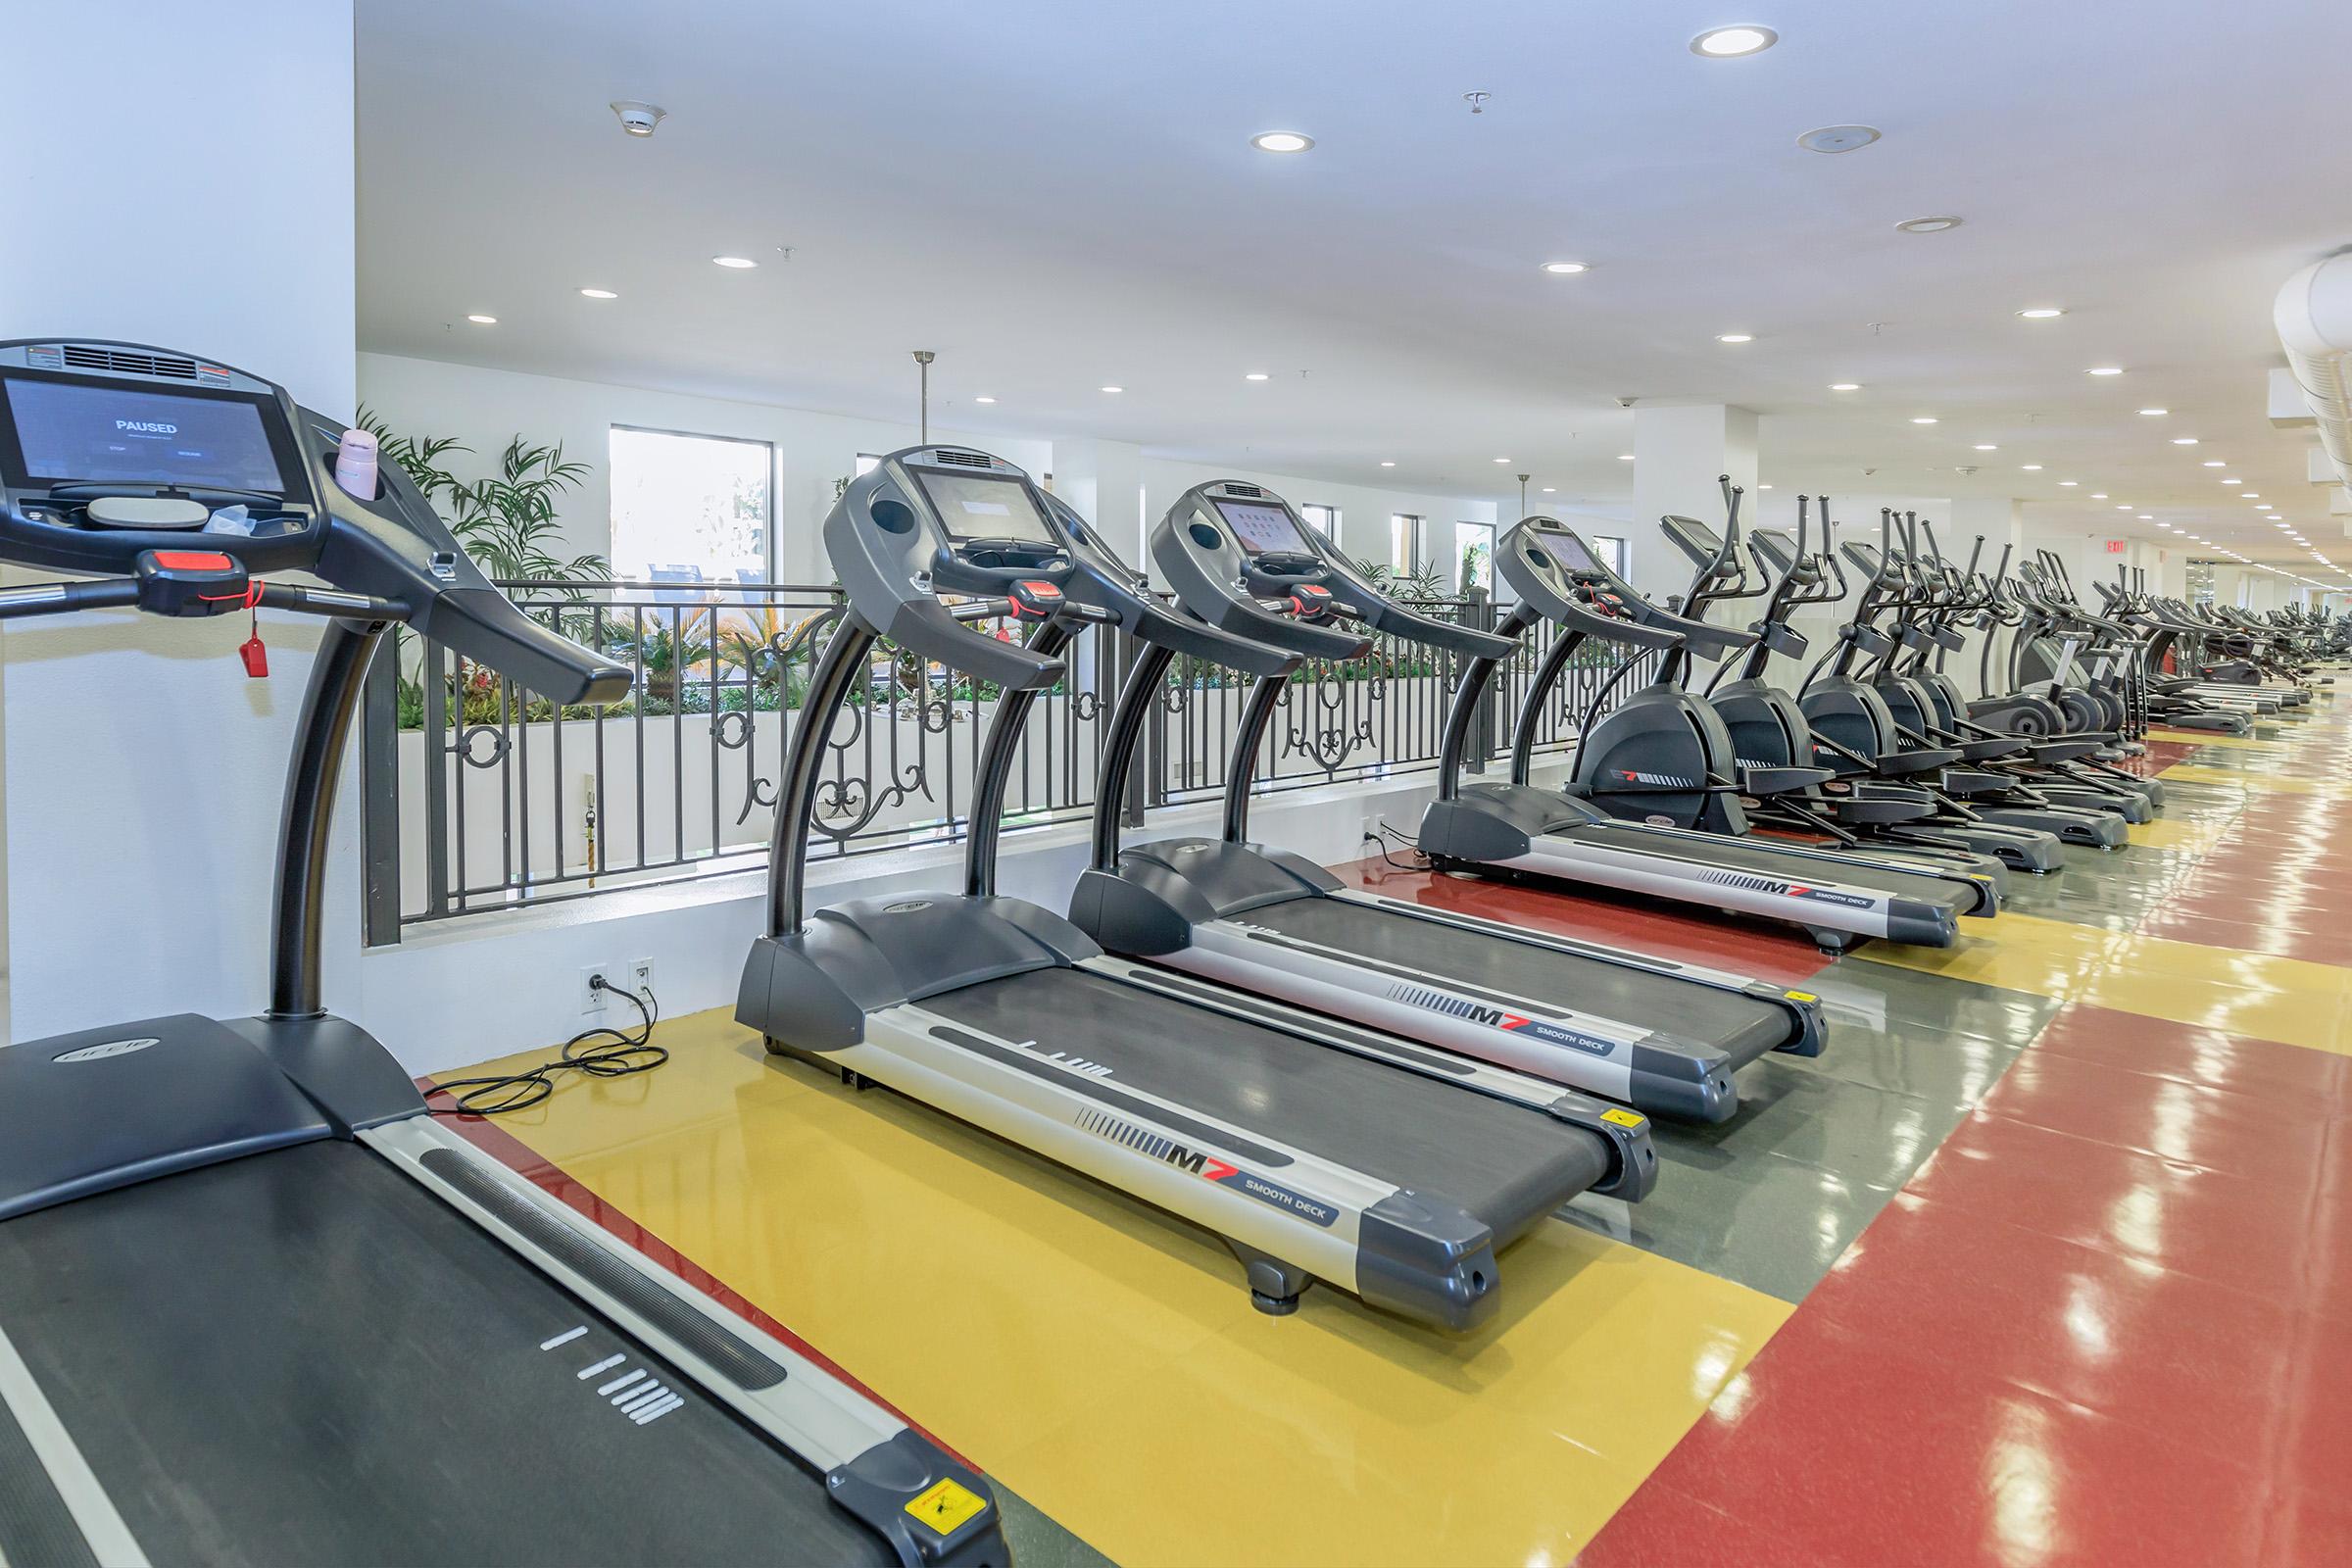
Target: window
{"x": 1613, "y": 555}
{"x": 692, "y": 508}
{"x": 1404, "y": 541}
{"x": 1473, "y": 556}
{"x": 1325, "y": 521}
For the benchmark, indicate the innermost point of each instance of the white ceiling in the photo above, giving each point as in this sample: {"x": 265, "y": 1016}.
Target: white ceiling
{"x": 1054, "y": 196}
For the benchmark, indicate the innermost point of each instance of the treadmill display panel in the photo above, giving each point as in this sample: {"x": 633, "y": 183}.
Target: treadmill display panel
{"x": 1263, "y": 529}
{"x": 1570, "y": 552}
{"x": 73, "y": 431}
{"x": 984, "y": 506}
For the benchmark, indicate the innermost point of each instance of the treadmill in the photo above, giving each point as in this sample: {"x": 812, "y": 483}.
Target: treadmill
{"x": 1313, "y": 1150}
{"x": 256, "y": 1306}
{"x": 1521, "y": 831}
{"x": 1662, "y": 1037}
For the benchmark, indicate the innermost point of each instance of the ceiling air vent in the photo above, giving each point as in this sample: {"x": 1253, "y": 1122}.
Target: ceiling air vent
{"x": 123, "y": 362}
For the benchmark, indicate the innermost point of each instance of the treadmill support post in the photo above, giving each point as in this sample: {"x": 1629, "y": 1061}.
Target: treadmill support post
{"x": 330, "y": 701}
{"x": 1136, "y": 696}
{"x": 1477, "y": 674}
{"x": 1249, "y": 738}
{"x": 1530, "y": 708}
{"x": 995, "y": 766}
{"x": 844, "y": 658}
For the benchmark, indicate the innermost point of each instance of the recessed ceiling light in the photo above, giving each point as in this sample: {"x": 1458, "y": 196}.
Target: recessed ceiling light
{"x": 2248, "y": 495}
{"x": 1927, "y": 225}
{"x": 1388, "y": 463}
{"x": 1845, "y": 386}
{"x": 1763, "y": 487}
{"x": 2215, "y": 462}
{"x": 1923, "y": 419}
{"x": 2184, "y": 440}
{"x": 2154, "y": 414}
{"x": 2098, "y": 495}
{"x": 2042, "y": 313}
{"x": 1729, "y": 43}
{"x": 739, "y": 264}
{"x": 2031, "y": 467}
{"x": 2147, "y": 517}
{"x": 983, "y": 400}
{"x": 1255, "y": 375}
{"x": 483, "y": 320}
{"x": 2233, "y": 481}
{"x": 1564, "y": 268}
{"x": 1281, "y": 141}
{"x": 2068, "y": 484}
{"x": 598, "y": 294}
{"x": 2125, "y": 506}
{"x": 1734, "y": 337}
{"x": 1987, "y": 446}
{"x": 1625, "y": 456}
{"x": 1114, "y": 389}
{"x": 1552, "y": 489}
{"x": 1502, "y": 459}
{"x": 2104, "y": 370}
{"x": 1838, "y": 138}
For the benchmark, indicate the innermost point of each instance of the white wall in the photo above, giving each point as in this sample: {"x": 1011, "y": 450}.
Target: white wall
{"x": 484, "y": 408}
{"x": 143, "y": 770}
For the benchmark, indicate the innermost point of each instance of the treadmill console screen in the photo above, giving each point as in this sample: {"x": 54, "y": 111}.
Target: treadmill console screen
{"x": 1263, "y": 529}
{"x": 985, "y": 506}
{"x": 60, "y": 431}
{"x": 1570, "y": 552}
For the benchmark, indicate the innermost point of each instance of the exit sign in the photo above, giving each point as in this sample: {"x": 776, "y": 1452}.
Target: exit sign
{"x": 2115, "y": 547}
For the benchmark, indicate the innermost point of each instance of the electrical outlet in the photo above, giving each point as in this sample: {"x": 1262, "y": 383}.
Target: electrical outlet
{"x": 592, "y": 999}
{"x": 641, "y": 978}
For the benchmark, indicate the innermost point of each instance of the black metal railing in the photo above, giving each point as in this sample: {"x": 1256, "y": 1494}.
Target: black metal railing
{"x": 481, "y": 796}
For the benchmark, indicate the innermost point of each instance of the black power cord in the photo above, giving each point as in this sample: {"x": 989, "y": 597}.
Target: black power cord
{"x": 1380, "y": 833}
{"x": 624, "y": 1053}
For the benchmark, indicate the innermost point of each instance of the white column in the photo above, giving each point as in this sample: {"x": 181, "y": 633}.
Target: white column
{"x": 1104, "y": 481}
{"x": 1679, "y": 456}
{"x": 184, "y": 174}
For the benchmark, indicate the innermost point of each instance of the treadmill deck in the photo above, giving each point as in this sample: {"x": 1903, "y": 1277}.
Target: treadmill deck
{"x": 302, "y": 1356}
{"x": 1507, "y": 1164}
{"x": 1742, "y": 1027}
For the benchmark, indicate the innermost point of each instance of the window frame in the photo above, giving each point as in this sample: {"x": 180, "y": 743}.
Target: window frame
{"x": 775, "y": 484}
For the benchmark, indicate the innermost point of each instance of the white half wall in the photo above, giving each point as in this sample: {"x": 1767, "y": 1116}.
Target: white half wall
{"x": 143, "y": 770}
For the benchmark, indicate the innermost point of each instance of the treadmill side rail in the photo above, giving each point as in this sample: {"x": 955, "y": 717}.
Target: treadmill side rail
{"x": 927, "y": 1505}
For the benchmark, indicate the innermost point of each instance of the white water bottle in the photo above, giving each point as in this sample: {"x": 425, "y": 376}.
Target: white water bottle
{"x": 354, "y": 464}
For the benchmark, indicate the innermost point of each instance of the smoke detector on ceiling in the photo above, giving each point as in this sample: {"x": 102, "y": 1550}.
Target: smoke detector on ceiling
{"x": 1927, "y": 225}
{"x": 1838, "y": 138}
{"x": 639, "y": 120}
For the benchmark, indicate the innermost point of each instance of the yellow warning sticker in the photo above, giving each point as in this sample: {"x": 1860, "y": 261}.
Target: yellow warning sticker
{"x": 1622, "y": 1118}
{"x": 947, "y": 1505}
{"x": 1802, "y": 995}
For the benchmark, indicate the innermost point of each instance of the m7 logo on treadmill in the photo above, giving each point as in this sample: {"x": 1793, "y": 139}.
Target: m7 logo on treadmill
{"x": 1195, "y": 1162}
{"x": 1497, "y": 1018}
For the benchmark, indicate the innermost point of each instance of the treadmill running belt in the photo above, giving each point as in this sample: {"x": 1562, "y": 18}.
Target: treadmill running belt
{"x": 1505, "y": 1164}
{"x": 1742, "y": 1027}
{"x": 303, "y": 1356}
{"x": 1745, "y": 855}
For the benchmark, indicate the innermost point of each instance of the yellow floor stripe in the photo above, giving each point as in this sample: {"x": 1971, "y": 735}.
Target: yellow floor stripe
{"x": 2258, "y": 994}
{"x": 2177, "y": 833}
{"x": 1106, "y": 1363}
{"x": 2192, "y": 737}
{"x": 2272, "y": 783}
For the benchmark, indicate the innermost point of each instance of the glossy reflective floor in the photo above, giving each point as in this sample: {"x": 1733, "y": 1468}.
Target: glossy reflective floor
{"x": 2046, "y": 1260}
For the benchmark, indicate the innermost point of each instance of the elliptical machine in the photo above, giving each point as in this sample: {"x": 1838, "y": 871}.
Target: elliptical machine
{"x": 1858, "y": 733}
